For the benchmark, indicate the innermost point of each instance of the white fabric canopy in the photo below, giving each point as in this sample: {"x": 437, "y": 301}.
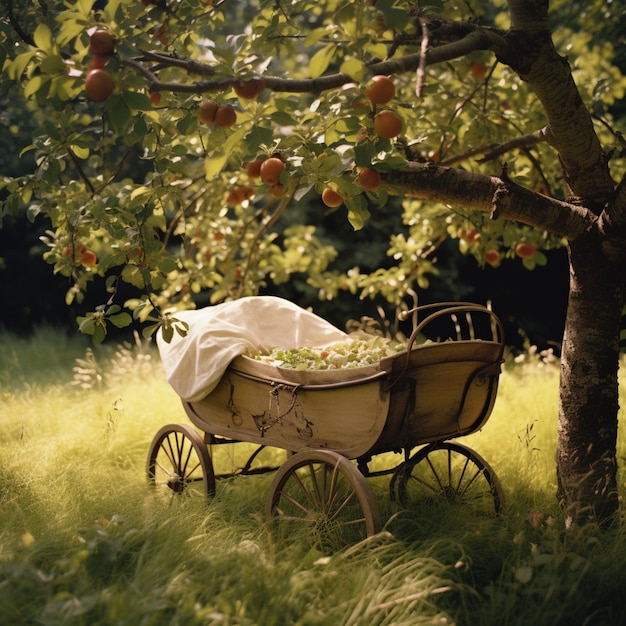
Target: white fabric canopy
{"x": 217, "y": 334}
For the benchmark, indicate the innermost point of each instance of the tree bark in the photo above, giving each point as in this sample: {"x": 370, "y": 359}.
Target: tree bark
{"x": 588, "y": 407}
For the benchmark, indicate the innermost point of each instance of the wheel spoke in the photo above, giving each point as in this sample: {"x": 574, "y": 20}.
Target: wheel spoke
{"x": 429, "y": 484}
{"x": 435, "y": 474}
{"x": 294, "y": 501}
{"x": 166, "y": 471}
{"x": 192, "y": 477}
{"x": 461, "y": 474}
{"x": 479, "y": 473}
{"x": 309, "y": 494}
{"x": 319, "y": 491}
{"x": 349, "y": 498}
{"x": 169, "y": 452}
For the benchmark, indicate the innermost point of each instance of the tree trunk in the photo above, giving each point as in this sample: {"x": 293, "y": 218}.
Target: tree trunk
{"x": 587, "y": 425}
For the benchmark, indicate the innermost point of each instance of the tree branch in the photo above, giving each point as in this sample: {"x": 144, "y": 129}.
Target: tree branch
{"x": 539, "y": 136}
{"x": 480, "y": 38}
{"x": 501, "y": 198}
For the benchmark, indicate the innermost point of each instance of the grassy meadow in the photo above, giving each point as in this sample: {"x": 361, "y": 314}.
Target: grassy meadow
{"x": 83, "y": 541}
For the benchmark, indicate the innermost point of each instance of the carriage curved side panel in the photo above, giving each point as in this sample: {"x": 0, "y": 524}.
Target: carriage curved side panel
{"x": 347, "y": 417}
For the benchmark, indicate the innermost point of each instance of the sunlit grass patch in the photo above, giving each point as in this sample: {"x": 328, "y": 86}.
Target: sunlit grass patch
{"x": 84, "y": 540}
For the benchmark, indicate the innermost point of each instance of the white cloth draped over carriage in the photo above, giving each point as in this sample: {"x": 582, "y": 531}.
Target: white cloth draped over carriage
{"x": 194, "y": 364}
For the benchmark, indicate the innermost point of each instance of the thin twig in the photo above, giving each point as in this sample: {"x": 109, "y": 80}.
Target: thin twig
{"x": 420, "y": 73}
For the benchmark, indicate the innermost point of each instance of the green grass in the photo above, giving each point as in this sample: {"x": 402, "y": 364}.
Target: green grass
{"x": 84, "y": 541}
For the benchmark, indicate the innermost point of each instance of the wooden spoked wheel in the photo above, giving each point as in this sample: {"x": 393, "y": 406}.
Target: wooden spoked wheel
{"x": 321, "y": 494}
{"x": 178, "y": 461}
{"x": 448, "y": 471}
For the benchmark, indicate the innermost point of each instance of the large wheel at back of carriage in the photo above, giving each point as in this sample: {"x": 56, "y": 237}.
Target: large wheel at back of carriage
{"x": 179, "y": 462}
{"x": 448, "y": 471}
{"x": 322, "y": 495}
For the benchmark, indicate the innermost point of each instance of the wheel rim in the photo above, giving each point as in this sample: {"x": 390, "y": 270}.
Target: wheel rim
{"x": 179, "y": 463}
{"x": 322, "y": 494}
{"x": 448, "y": 472}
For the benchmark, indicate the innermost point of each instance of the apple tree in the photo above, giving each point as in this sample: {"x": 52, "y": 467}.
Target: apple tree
{"x": 179, "y": 140}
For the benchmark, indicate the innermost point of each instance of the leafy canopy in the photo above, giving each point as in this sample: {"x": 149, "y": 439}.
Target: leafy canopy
{"x": 163, "y": 201}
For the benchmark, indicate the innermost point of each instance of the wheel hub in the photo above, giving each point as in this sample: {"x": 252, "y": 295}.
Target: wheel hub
{"x": 176, "y": 483}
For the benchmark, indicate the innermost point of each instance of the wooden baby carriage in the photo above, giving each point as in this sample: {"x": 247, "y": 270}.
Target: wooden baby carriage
{"x": 334, "y": 422}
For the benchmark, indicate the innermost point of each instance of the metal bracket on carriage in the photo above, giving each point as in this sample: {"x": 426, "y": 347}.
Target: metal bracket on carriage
{"x": 273, "y": 416}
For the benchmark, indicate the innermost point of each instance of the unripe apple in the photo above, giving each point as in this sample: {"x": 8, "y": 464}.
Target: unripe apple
{"x": 492, "y": 257}
{"x": 102, "y": 42}
{"x": 270, "y": 170}
{"x": 525, "y": 250}
{"x": 99, "y": 85}
{"x": 380, "y": 90}
{"x": 207, "y": 111}
{"x": 369, "y": 179}
{"x": 250, "y": 89}
{"x": 225, "y": 116}
{"x": 387, "y": 124}
{"x": 332, "y": 198}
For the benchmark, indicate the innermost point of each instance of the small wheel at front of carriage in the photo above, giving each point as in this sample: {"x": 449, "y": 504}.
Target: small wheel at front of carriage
{"x": 449, "y": 472}
{"x": 321, "y": 495}
{"x": 179, "y": 463}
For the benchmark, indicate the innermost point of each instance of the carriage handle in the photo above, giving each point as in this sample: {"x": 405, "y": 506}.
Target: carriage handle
{"x": 448, "y": 309}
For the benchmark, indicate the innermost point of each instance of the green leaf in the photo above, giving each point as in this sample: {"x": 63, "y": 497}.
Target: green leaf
{"x": 86, "y": 325}
{"x": 357, "y": 211}
{"x": 314, "y": 36}
{"x": 187, "y": 124}
{"x": 17, "y": 67}
{"x": 52, "y": 64}
{"x": 119, "y": 113}
{"x": 136, "y": 101}
{"x": 364, "y": 153}
{"x": 35, "y": 84}
{"x": 258, "y": 136}
{"x": 348, "y": 124}
{"x": 321, "y": 60}
{"x": 121, "y": 320}
{"x": 99, "y": 334}
{"x": 282, "y": 118}
{"x": 43, "y": 37}
{"x": 132, "y": 275}
{"x": 234, "y": 139}
{"x": 148, "y": 331}
{"x": 26, "y": 149}
{"x": 355, "y": 68}
{"x": 167, "y": 265}
{"x": 80, "y": 152}
{"x": 70, "y": 29}
{"x": 213, "y": 165}
{"x": 393, "y": 16}
{"x": 179, "y": 150}
{"x": 32, "y": 212}
{"x": 167, "y": 333}
{"x": 391, "y": 163}
{"x": 182, "y": 329}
